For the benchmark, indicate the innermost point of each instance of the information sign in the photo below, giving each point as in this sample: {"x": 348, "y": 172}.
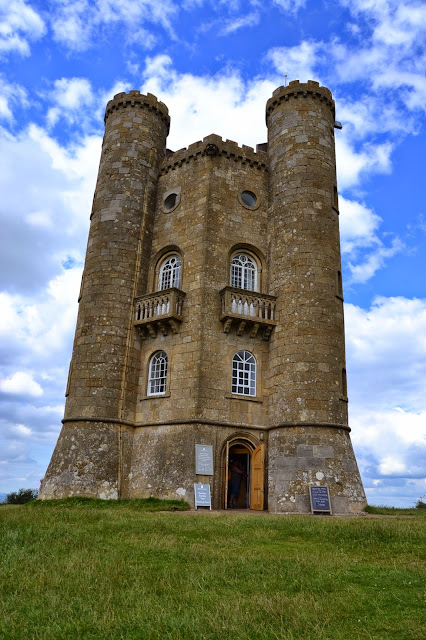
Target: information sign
{"x": 204, "y": 459}
{"x": 320, "y": 499}
{"x": 202, "y": 496}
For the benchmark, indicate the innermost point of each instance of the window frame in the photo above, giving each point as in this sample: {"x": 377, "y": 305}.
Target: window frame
{"x": 175, "y": 281}
{"x": 244, "y": 374}
{"x": 159, "y": 374}
{"x": 242, "y": 277}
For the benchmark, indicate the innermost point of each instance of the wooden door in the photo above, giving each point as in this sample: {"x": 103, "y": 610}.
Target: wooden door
{"x": 226, "y": 471}
{"x": 257, "y": 478}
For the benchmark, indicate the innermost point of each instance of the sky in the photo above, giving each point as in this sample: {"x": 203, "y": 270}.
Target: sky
{"x": 215, "y": 64}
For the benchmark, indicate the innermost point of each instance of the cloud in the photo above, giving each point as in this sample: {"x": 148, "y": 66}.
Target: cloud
{"x": 42, "y": 325}
{"x": 11, "y": 94}
{"x": 199, "y": 105}
{"x": 290, "y": 6}
{"x": 374, "y": 261}
{"x": 386, "y": 352}
{"x": 55, "y": 186}
{"x": 19, "y": 23}
{"x": 21, "y": 383}
{"x": 363, "y": 251}
{"x": 76, "y": 22}
{"x": 386, "y": 364}
{"x": 70, "y": 95}
{"x": 36, "y": 334}
{"x": 358, "y": 225}
{"x": 233, "y": 25}
{"x": 354, "y": 165}
{"x": 300, "y": 62}
{"x": 395, "y": 56}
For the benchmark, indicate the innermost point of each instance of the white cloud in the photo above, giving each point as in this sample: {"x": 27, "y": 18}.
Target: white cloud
{"x": 290, "y": 6}
{"x": 248, "y": 20}
{"x": 21, "y": 383}
{"x": 19, "y": 23}
{"x": 11, "y": 94}
{"x": 300, "y": 62}
{"x": 76, "y": 22}
{"x": 358, "y": 225}
{"x": 386, "y": 363}
{"x": 69, "y": 96}
{"x": 395, "y": 56}
{"x": 72, "y": 93}
{"x": 353, "y": 165}
{"x": 42, "y": 325}
{"x": 374, "y": 261}
{"x": 362, "y": 249}
{"x": 200, "y": 105}
{"x": 22, "y": 429}
{"x": 386, "y": 353}
{"x": 55, "y": 186}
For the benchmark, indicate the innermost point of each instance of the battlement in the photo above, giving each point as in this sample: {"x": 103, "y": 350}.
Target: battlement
{"x": 214, "y": 145}
{"x": 124, "y": 100}
{"x": 296, "y": 90}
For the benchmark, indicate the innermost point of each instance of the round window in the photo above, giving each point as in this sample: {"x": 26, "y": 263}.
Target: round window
{"x": 249, "y": 198}
{"x": 171, "y": 201}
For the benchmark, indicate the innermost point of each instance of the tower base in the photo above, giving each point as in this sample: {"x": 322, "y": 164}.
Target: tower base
{"x": 109, "y": 460}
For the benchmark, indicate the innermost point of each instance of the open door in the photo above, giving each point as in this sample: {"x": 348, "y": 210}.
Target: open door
{"x": 226, "y": 475}
{"x": 257, "y": 478}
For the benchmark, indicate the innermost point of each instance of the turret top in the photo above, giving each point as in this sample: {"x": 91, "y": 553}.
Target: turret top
{"x": 136, "y": 97}
{"x": 296, "y": 89}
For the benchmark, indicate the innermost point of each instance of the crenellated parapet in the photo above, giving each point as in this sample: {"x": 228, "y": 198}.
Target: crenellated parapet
{"x": 214, "y": 145}
{"x": 295, "y": 90}
{"x": 136, "y": 98}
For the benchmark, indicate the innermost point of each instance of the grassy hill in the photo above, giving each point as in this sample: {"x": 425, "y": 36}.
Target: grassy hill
{"x": 79, "y": 572}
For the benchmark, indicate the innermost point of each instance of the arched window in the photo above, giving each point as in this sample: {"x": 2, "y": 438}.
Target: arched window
{"x": 244, "y": 373}
{"x": 157, "y": 375}
{"x": 170, "y": 273}
{"x": 244, "y": 272}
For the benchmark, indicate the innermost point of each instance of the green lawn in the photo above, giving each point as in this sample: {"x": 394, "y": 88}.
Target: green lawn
{"x": 105, "y": 573}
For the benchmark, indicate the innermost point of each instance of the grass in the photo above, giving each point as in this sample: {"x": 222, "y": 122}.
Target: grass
{"x": 395, "y": 511}
{"x": 141, "y": 504}
{"x": 79, "y": 572}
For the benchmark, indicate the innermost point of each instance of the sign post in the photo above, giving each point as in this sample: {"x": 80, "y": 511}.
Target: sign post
{"x": 320, "y": 500}
{"x": 202, "y": 496}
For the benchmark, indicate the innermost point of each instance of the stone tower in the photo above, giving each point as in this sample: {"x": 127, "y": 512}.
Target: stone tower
{"x": 211, "y": 317}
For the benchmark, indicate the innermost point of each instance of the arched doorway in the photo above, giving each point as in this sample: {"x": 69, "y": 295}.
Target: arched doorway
{"x": 243, "y": 474}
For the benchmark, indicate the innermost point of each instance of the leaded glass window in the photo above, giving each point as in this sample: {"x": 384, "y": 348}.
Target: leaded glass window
{"x": 157, "y": 376}
{"x": 244, "y": 272}
{"x": 170, "y": 273}
{"x": 244, "y": 373}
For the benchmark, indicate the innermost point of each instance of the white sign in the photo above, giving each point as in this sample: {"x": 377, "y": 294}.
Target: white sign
{"x": 204, "y": 459}
{"x": 202, "y": 495}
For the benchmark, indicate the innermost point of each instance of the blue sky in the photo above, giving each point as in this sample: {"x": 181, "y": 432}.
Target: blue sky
{"x": 215, "y": 64}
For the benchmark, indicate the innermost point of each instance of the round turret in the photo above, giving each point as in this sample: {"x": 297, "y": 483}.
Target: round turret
{"x": 103, "y": 378}
{"x": 305, "y": 257}
{"x": 309, "y": 442}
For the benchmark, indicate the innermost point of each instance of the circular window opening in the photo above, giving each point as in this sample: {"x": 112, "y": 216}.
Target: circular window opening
{"x": 171, "y": 201}
{"x": 249, "y": 198}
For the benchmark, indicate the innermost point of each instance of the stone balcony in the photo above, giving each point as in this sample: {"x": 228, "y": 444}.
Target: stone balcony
{"x": 249, "y": 310}
{"x": 159, "y": 311}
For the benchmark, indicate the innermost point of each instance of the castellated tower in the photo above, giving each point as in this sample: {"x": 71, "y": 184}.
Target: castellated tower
{"x": 209, "y": 346}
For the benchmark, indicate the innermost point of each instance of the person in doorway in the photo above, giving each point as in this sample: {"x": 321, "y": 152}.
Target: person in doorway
{"x": 236, "y": 477}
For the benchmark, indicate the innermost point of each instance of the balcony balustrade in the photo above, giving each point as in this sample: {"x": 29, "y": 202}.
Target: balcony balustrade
{"x": 159, "y": 311}
{"x": 247, "y": 310}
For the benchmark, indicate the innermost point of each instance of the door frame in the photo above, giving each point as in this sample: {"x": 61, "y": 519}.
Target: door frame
{"x": 247, "y": 440}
